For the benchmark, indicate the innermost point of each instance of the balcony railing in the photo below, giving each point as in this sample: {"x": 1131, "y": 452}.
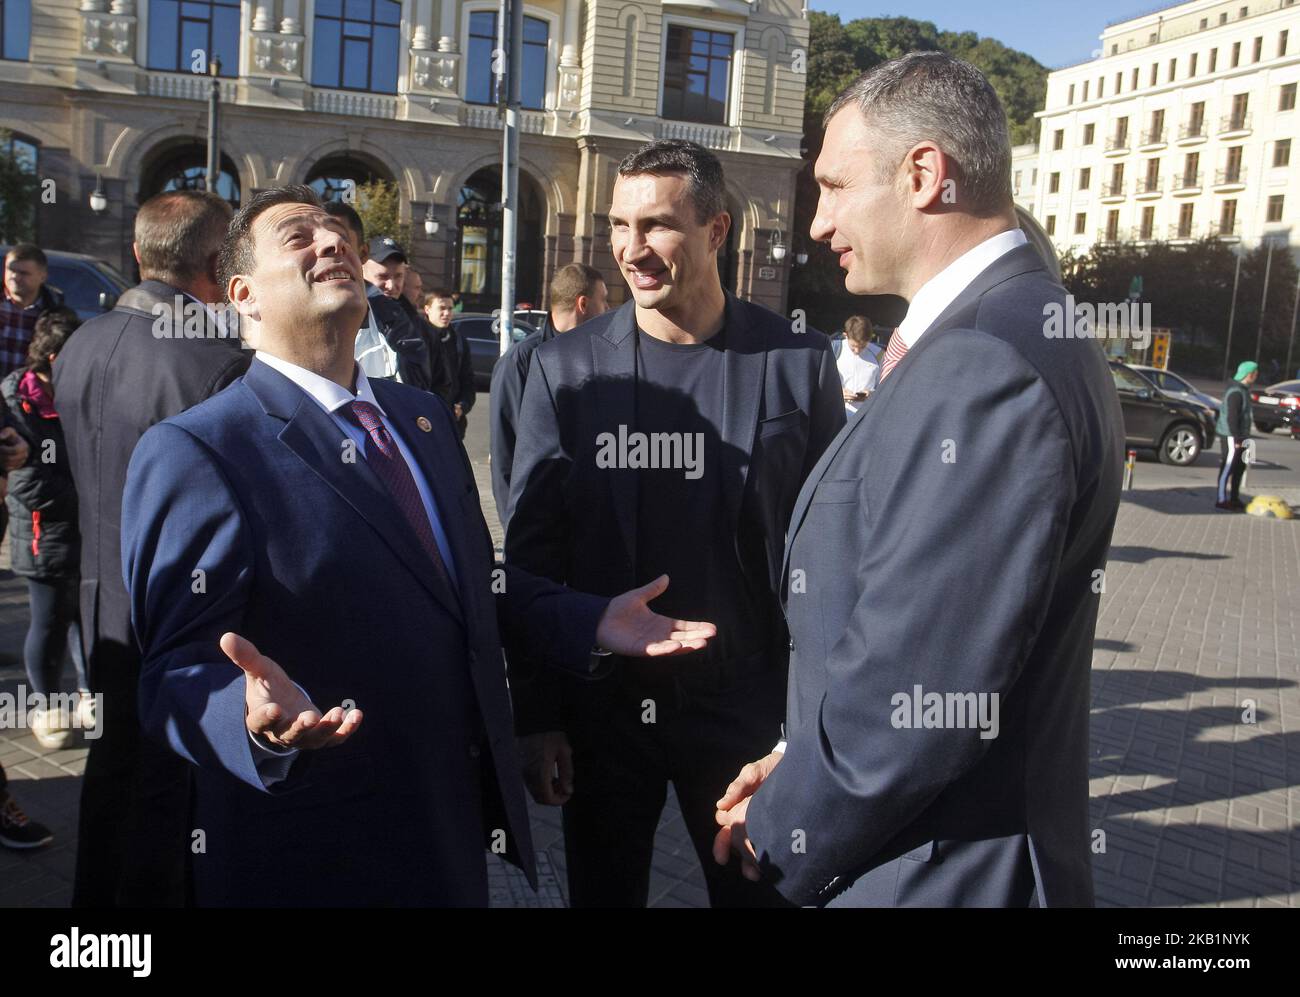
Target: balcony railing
{"x": 1112, "y": 190}
{"x": 365, "y": 105}
{"x": 709, "y": 136}
{"x": 1182, "y": 230}
{"x": 1117, "y": 143}
{"x": 487, "y": 116}
{"x": 1106, "y": 235}
{"x": 1185, "y": 182}
{"x": 1148, "y": 185}
{"x": 1234, "y": 123}
{"x": 1225, "y": 230}
{"x": 1140, "y": 234}
{"x": 1191, "y": 130}
{"x": 1233, "y": 176}
{"x": 1153, "y": 136}
{"x": 189, "y": 86}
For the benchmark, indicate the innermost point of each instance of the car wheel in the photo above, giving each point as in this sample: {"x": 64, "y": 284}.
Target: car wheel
{"x": 1181, "y": 446}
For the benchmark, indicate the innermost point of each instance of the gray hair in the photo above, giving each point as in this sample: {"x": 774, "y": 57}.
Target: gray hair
{"x": 178, "y": 234}
{"x": 703, "y": 172}
{"x": 930, "y": 95}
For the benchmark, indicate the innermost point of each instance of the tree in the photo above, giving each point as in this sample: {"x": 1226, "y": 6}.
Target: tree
{"x": 18, "y": 191}
{"x": 837, "y": 54}
{"x": 379, "y": 203}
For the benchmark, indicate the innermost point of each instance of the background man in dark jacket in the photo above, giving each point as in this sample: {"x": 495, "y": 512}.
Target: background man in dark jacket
{"x": 121, "y": 373}
{"x": 420, "y": 364}
{"x": 26, "y": 298}
{"x": 578, "y": 293}
{"x": 456, "y": 357}
{"x": 736, "y": 404}
{"x": 1233, "y": 427}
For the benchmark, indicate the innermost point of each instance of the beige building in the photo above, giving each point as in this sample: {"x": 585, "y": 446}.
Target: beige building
{"x": 336, "y": 92}
{"x": 1181, "y": 129}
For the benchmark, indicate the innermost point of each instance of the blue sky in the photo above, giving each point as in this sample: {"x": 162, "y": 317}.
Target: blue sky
{"x": 1055, "y": 32}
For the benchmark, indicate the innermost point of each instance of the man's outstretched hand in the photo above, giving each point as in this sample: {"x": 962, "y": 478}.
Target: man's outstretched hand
{"x": 275, "y": 708}
{"x": 630, "y": 628}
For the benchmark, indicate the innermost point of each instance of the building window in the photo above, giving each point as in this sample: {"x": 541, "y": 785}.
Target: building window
{"x": 1282, "y": 152}
{"x": 1196, "y": 120}
{"x": 697, "y": 74}
{"x": 1119, "y": 83}
{"x": 1157, "y": 131}
{"x": 1070, "y": 95}
{"x": 1173, "y": 70}
{"x": 1185, "y": 215}
{"x": 1034, "y": 182}
{"x": 1112, "y": 225}
{"x": 15, "y": 28}
{"x": 1053, "y": 183}
{"x": 1259, "y": 50}
{"x": 336, "y": 178}
{"x": 1116, "y": 180}
{"x": 18, "y": 210}
{"x": 1228, "y": 217}
{"x": 1148, "y": 222}
{"x": 1281, "y": 43}
{"x": 1058, "y": 139}
{"x": 1275, "y": 202}
{"x": 1191, "y": 167}
{"x": 481, "y": 82}
{"x": 1191, "y": 65}
{"x": 1286, "y": 100}
{"x": 1121, "y": 133}
{"x": 1237, "y": 119}
{"x": 355, "y": 45}
{"x": 1085, "y": 91}
{"x": 1205, "y": 22}
{"x": 1243, "y": 12}
{"x": 180, "y": 28}
{"x": 1101, "y": 87}
{"x": 1015, "y": 186}
{"x": 1134, "y": 84}
{"x": 1085, "y": 178}
{"x": 1214, "y": 59}
{"x": 1050, "y": 225}
{"x": 185, "y": 168}
{"x": 1223, "y": 18}
{"x": 1155, "y": 73}
{"x": 1090, "y": 130}
{"x": 1236, "y": 54}
{"x": 1232, "y": 166}
{"x": 1080, "y": 223}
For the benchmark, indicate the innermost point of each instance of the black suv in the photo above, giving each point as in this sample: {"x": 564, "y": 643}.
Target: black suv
{"x": 90, "y": 286}
{"x": 1177, "y": 430}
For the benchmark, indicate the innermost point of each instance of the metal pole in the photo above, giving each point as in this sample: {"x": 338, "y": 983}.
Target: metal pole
{"x": 1232, "y": 316}
{"x": 510, "y": 172}
{"x": 214, "y": 136}
{"x": 1286, "y": 371}
{"x": 1263, "y": 303}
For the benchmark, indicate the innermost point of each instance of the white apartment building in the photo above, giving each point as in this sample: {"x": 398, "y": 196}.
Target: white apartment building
{"x": 1181, "y": 129}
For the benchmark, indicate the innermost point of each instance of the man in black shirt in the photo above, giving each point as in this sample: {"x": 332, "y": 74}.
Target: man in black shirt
{"x": 456, "y": 359}
{"x": 669, "y": 437}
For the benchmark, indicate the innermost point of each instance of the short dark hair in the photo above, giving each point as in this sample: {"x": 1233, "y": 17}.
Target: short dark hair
{"x": 931, "y": 95}
{"x": 345, "y": 211}
{"x": 28, "y": 252}
{"x": 178, "y": 232}
{"x": 51, "y": 332}
{"x": 858, "y": 329}
{"x": 673, "y": 156}
{"x": 572, "y": 281}
{"x": 237, "y": 251}
{"x": 437, "y": 292}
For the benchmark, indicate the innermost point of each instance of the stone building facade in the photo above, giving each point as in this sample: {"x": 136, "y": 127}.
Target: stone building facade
{"x": 330, "y": 91}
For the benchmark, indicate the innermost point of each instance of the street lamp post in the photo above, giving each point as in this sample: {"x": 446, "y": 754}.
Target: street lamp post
{"x": 214, "y": 102}
{"x": 1232, "y": 316}
{"x": 1263, "y": 303}
{"x": 514, "y": 39}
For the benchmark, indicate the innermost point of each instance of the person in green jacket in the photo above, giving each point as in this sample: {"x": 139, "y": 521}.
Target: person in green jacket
{"x": 1233, "y": 428}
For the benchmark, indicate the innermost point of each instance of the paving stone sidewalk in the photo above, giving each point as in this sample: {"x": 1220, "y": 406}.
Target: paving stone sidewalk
{"x": 1198, "y": 628}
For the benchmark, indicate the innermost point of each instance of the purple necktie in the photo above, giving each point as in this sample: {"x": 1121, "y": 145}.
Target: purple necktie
{"x": 387, "y": 462}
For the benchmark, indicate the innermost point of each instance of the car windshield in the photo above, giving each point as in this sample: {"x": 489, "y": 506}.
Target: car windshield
{"x": 1172, "y": 382}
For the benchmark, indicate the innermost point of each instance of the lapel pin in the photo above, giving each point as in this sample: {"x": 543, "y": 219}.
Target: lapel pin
{"x": 424, "y": 424}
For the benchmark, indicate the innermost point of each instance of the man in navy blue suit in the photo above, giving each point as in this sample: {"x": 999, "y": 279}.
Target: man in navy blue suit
{"x": 311, "y": 517}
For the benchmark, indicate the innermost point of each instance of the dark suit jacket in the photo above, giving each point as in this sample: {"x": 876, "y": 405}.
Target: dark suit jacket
{"x": 307, "y": 555}
{"x": 509, "y": 375}
{"x": 419, "y": 360}
{"x": 458, "y": 364}
{"x": 576, "y": 523}
{"x": 115, "y": 378}
{"x": 948, "y": 540}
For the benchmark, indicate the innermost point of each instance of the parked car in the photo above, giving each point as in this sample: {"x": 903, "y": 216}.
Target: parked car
{"x": 1276, "y": 407}
{"x": 1177, "y": 430}
{"x": 90, "y": 286}
{"x": 1177, "y": 387}
{"x": 484, "y": 342}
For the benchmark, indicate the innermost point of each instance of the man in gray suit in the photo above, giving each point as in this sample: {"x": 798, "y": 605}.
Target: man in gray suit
{"x": 944, "y": 559}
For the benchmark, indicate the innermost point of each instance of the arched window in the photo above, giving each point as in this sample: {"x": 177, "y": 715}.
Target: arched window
{"x": 481, "y": 82}
{"x": 18, "y": 188}
{"x": 333, "y": 177}
{"x": 178, "y": 29}
{"x": 185, "y": 168}
{"x": 15, "y": 28}
{"x": 355, "y": 45}
{"x": 478, "y": 262}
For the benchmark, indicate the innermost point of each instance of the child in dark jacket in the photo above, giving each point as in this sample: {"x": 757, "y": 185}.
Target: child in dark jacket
{"x": 45, "y": 546}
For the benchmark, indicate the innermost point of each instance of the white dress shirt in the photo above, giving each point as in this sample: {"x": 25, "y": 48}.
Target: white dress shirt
{"x": 372, "y": 352}
{"x": 941, "y": 290}
{"x": 273, "y": 763}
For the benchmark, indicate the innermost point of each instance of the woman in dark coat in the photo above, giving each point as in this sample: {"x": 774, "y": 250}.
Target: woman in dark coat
{"x": 45, "y": 547}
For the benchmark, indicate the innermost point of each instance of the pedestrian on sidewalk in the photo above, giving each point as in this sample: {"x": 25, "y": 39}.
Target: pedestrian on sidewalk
{"x": 17, "y": 830}
{"x": 1233, "y": 428}
{"x": 45, "y": 542}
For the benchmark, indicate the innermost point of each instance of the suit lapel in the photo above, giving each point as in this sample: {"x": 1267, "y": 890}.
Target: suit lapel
{"x": 745, "y": 365}
{"x": 431, "y": 452}
{"x": 1019, "y": 261}
{"x": 613, "y": 358}
{"x": 317, "y": 441}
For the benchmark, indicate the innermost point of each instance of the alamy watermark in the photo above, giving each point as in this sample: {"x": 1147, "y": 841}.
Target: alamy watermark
{"x": 15, "y": 708}
{"x": 921, "y": 710}
{"x": 639, "y": 451}
{"x": 186, "y": 318}
{"x": 1105, "y": 320}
